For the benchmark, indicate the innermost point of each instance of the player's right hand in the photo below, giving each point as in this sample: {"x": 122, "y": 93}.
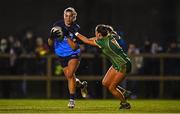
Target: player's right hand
{"x": 55, "y": 34}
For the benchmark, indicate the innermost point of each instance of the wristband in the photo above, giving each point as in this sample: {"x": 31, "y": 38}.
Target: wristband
{"x": 76, "y": 33}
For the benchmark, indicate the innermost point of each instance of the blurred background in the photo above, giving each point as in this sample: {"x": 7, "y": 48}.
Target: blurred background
{"x": 151, "y": 29}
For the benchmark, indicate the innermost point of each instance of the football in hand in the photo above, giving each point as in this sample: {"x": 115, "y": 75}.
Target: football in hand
{"x": 57, "y": 32}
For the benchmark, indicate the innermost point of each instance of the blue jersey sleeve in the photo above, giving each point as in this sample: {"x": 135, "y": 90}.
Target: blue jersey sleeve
{"x": 123, "y": 44}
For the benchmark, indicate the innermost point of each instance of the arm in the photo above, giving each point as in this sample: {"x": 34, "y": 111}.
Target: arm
{"x": 93, "y": 38}
{"x": 72, "y": 44}
{"x": 51, "y": 45}
{"x": 51, "y": 38}
{"x": 50, "y": 42}
{"x": 86, "y": 40}
{"x": 70, "y": 41}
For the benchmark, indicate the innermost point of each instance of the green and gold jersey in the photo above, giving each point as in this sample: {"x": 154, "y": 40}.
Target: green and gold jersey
{"x": 114, "y": 53}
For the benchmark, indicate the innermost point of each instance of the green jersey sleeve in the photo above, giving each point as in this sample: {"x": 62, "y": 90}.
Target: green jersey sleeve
{"x": 100, "y": 42}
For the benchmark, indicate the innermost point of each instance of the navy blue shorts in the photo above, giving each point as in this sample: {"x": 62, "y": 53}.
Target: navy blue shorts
{"x": 64, "y": 60}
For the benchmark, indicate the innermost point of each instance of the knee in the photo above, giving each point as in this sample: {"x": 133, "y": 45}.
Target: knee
{"x": 112, "y": 87}
{"x": 105, "y": 84}
{"x": 69, "y": 75}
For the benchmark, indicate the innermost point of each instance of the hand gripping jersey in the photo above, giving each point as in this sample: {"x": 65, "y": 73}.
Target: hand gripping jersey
{"x": 62, "y": 48}
{"x": 111, "y": 49}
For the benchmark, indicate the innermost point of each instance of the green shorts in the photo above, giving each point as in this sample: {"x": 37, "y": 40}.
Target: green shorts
{"x": 123, "y": 68}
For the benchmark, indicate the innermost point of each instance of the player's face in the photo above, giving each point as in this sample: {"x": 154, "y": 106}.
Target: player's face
{"x": 68, "y": 18}
{"x": 98, "y": 35}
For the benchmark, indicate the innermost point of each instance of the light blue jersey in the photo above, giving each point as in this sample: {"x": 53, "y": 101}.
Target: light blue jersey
{"x": 62, "y": 47}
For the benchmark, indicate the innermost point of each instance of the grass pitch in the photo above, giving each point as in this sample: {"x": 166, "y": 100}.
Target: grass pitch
{"x": 88, "y": 106}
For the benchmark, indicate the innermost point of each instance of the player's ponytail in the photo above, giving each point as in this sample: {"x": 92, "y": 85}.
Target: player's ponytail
{"x": 112, "y": 31}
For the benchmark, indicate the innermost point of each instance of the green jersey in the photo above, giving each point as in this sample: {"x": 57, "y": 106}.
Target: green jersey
{"x": 111, "y": 49}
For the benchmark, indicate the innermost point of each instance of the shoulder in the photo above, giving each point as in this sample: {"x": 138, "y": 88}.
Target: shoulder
{"x": 100, "y": 42}
{"x": 75, "y": 27}
{"x": 59, "y": 23}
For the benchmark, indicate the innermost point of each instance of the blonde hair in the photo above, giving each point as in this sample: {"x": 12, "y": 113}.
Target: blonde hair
{"x": 71, "y": 9}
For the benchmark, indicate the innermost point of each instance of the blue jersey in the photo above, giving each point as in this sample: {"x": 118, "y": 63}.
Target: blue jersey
{"x": 123, "y": 44}
{"x": 62, "y": 47}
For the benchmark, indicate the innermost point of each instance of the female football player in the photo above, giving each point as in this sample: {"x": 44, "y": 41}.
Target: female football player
{"x": 121, "y": 64}
{"x": 68, "y": 52}
{"x": 123, "y": 45}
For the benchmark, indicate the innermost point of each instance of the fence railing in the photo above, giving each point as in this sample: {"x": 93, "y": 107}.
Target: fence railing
{"x": 49, "y": 76}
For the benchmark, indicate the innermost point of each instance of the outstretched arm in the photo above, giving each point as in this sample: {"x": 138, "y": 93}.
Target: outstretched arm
{"x": 86, "y": 40}
{"x": 72, "y": 44}
{"x": 93, "y": 38}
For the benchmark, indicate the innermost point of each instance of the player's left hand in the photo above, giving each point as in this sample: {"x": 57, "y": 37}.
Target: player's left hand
{"x": 58, "y": 34}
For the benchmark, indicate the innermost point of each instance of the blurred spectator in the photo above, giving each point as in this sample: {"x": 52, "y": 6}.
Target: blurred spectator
{"x": 146, "y": 61}
{"x": 4, "y": 68}
{"x": 172, "y": 69}
{"x": 11, "y": 41}
{"x": 151, "y": 48}
{"x": 16, "y": 68}
{"x": 15, "y": 51}
{"x": 29, "y": 48}
{"x": 173, "y": 48}
{"x": 137, "y": 60}
{"x": 156, "y": 48}
{"x": 169, "y": 70}
{"x": 150, "y": 67}
{"x": 28, "y": 42}
{"x": 136, "y": 65}
{"x": 4, "y": 49}
{"x": 41, "y": 50}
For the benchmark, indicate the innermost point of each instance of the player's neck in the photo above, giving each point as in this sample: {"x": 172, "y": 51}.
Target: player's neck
{"x": 68, "y": 24}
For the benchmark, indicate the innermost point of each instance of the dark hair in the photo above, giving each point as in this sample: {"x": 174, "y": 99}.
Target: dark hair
{"x": 109, "y": 28}
{"x": 101, "y": 28}
{"x": 111, "y": 31}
